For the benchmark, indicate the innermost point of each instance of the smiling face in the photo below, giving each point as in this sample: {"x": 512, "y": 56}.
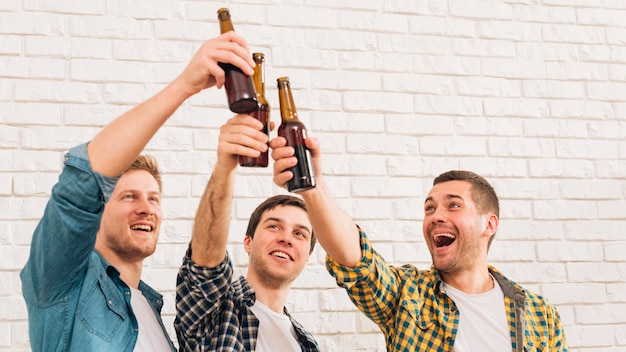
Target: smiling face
{"x": 280, "y": 247}
{"x": 130, "y": 224}
{"x": 456, "y": 233}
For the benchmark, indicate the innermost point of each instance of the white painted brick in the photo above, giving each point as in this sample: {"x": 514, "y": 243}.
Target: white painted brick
{"x": 482, "y": 48}
{"x": 526, "y": 273}
{"x": 108, "y": 27}
{"x": 591, "y": 336}
{"x": 34, "y": 184}
{"x": 512, "y": 251}
{"x": 473, "y": 9}
{"x": 46, "y": 46}
{"x": 30, "y": 161}
{"x": 576, "y": 252}
{"x": 615, "y": 36}
{"x": 9, "y": 5}
{"x": 611, "y": 210}
{"x": 45, "y": 91}
{"x": 34, "y": 68}
{"x": 416, "y": 44}
{"x": 88, "y": 8}
{"x": 593, "y": 110}
{"x": 596, "y": 272}
{"x": 565, "y": 210}
{"x": 11, "y": 45}
{"x": 572, "y": 34}
{"x": 544, "y": 14}
{"x": 507, "y": 30}
{"x": 615, "y": 252}
{"x": 292, "y": 16}
{"x": 12, "y": 308}
{"x": 516, "y": 229}
{"x": 32, "y": 24}
{"x": 595, "y": 53}
{"x": 603, "y": 130}
{"x": 429, "y": 7}
{"x": 369, "y": 21}
{"x": 83, "y": 70}
{"x": 303, "y": 300}
{"x": 446, "y": 105}
{"x": 466, "y": 146}
{"x": 606, "y": 230}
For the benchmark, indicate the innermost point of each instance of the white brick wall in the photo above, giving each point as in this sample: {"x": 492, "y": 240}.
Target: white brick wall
{"x": 530, "y": 94}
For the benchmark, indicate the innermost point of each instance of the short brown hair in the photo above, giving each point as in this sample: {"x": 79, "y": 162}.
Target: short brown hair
{"x": 271, "y": 203}
{"x": 150, "y": 164}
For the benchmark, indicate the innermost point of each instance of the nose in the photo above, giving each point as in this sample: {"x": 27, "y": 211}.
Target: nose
{"x": 145, "y": 207}
{"x": 437, "y": 216}
{"x": 284, "y": 237}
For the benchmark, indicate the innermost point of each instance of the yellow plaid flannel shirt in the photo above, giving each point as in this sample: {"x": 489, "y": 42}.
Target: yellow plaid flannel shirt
{"x": 415, "y": 314}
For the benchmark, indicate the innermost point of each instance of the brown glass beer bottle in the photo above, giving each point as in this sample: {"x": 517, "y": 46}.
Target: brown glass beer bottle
{"x": 239, "y": 87}
{"x": 262, "y": 112}
{"x": 295, "y": 133}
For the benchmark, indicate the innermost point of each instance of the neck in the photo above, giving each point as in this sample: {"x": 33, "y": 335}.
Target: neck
{"x": 130, "y": 271}
{"x": 273, "y": 297}
{"x": 472, "y": 281}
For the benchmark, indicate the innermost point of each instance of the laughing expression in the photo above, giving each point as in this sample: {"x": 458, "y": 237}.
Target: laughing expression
{"x": 131, "y": 220}
{"x": 456, "y": 234}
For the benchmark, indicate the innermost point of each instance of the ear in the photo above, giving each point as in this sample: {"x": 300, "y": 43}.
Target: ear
{"x": 246, "y": 243}
{"x": 492, "y": 224}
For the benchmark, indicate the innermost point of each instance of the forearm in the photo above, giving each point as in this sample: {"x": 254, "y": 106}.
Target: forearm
{"x": 212, "y": 222}
{"x": 334, "y": 229}
{"x": 118, "y": 144}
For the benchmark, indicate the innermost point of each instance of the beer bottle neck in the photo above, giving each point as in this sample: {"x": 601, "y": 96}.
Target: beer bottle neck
{"x": 226, "y": 25}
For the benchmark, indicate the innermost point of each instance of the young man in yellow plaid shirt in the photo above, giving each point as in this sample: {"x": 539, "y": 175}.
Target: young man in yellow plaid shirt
{"x": 460, "y": 304}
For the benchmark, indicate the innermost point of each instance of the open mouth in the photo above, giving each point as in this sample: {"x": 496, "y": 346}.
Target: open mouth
{"x": 281, "y": 255}
{"x": 444, "y": 239}
{"x": 140, "y": 227}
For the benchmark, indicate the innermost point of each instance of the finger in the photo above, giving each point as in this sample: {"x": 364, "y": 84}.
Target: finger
{"x": 281, "y": 179}
{"x": 278, "y": 142}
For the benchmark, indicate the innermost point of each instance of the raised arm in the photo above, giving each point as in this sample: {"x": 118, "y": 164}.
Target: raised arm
{"x": 119, "y": 143}
{"x": 241, "y": 135}
{"x": 335, "y": 230}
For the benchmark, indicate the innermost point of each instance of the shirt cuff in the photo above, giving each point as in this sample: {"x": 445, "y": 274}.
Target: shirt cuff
{"x": 78, "y": 157}
{"x": 346, "y": 276}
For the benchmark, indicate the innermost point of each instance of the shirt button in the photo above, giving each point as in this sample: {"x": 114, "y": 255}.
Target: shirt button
{"x": 449, "y": 339}
{"x": 453, "y": 309}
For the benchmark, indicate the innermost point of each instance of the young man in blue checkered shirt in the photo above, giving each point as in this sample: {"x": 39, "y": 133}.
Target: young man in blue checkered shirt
{"x": 216, "y": 312}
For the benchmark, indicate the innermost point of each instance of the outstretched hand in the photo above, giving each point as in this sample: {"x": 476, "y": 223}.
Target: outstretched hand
{"x": 203, "y": 71}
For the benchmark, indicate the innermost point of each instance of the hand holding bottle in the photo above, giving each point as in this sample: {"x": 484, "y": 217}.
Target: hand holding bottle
{"x": 285, "y": 160}
{"x": 203, "y": 70}
{"x": 241, "y": 135}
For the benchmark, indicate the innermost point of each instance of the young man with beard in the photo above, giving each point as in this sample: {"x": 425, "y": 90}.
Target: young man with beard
{"x": 216, "y": 312}
{"x": 82, "y": 281}
{"x": 460, "y": 304}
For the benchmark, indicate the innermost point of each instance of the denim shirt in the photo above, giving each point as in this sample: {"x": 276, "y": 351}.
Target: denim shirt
{"x": 76, "y": 300}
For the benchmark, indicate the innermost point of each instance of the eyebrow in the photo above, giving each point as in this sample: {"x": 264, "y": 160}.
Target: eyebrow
{"x": 279, "y": 220}
{"x": 449, "y": 196}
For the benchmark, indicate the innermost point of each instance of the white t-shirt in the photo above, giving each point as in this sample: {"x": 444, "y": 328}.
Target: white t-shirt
{"x": 483, "y": 326}
{"x": 276, "y": 333}
{"x": 150, "y": 337}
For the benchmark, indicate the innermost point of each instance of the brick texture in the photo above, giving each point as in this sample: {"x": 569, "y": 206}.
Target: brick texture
{"x": 530, "y": 94}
